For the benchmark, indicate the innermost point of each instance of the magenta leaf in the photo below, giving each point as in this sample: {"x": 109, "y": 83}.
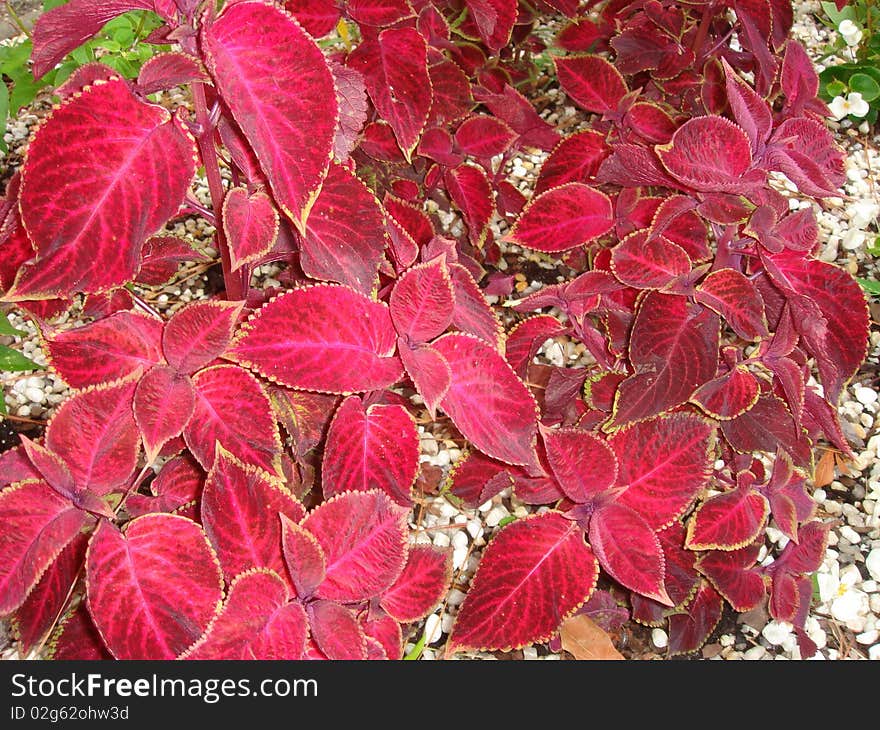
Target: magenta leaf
{"x": 351, "y": 97}
{"x": 346, "y": 249}
{"x": 592, "y": 82}
{"x": 735, "y": 298}
{"x": 232, "y": 409}
{"x": 16, "y": 466}
{"x": 472, "y": 313}
{"x": 257, "y": 622}
{"x": 279, "y": 88}
{"x": 750, "y": 111}
{"x": 50, "y": 467}
{"x": 161, "y": 256}
{"x": 727, "y": 521}
{"x": 421, "y": 586}
{"x": 303, "y": 556}
{"x": 395, "y": 70}
{"x": 422, "y": 301}
{"x": 476, "y": 478}
{"x": 494, "y": 20}
{"x": 364, "y": 540}
{"x": 729, "y": 395}
{"x": 527, "y": 337}
{"x": 561, "y": 218}
{"x": 384, "y": 637}
{"x": 735, "y": 576}
{"x": 370, "y": 447}
{"x": 805, "y": 150}
{"x": 484, "y": 137}
{"x": 336, "y": 631}
{"x": 487, "y": 402}
{"x": 303, "y": 415}
{"x": 471, "y": 192}
{"x": 411, "y": 218}
{"x": 89, "y": 235}
{"x": 178, "y": 483}
{"x": 766, "y": 426}
{"x": 318, "y": 17}
{"x": 164, "y": 401}
{"x": 534, "y": 573}
{"x": 689, "y": 631}
{"x": 325, "y": 338}
{"x": 105, "y": 350}
{"x": 250, "y": 223}
{"x": 575, "y": 159}
{"x": 584, "y": 465}
{"x": 199, "y": 333}
{"x": 167, "y": 70}
{"x": 379, "y": 13}
{"x": 646, "y": 261}
{"x": 77, "y": 638}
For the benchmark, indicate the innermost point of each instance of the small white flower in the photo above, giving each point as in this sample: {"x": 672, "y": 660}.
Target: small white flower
{"x": 850, "y": 32}
{"x": 853, "y": 105}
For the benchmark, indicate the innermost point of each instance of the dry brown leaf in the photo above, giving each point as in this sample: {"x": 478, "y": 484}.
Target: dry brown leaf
{"x": 583, "y": 639}
{"x": 824, "y": 472}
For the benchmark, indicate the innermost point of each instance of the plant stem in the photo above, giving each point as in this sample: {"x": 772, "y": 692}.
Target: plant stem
{"x": 703, "y": 30}
{"x": 16, "y": 19}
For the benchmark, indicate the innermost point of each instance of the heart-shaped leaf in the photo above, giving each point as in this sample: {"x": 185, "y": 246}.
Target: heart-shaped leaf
{"x": 164, "y": 401}
{"x": 591, "y": 82}
{"x": 421, "y": 585}
{"x": 199, "y": 333}
{"x": 728, "y": 521}
{"x": 422, "y": 301}
{"x": 729, "y": 395}
{"x": 250, "y": 223}
{"x": 584, "y": 465}
{"x": 735, "y": 298}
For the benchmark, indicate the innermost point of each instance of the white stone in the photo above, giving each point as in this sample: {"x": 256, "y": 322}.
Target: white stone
{"x": 726, "y": 640}
{"x": 445, "y": 509}
{"x": 530, "y": 653}
{"x": 441, "y": 539}
{"x": 868, "y": 637}
{"x": 35, "y": 395}
{"x": 495, "y": 515}
{"x": 433, "y": 629}
{"x": 755, "y": 653}
{"x": 460, "y": 540}
{"x": 850, "y": 535}
{"x": 874, "y": 652}
{"x": 659, "y": 638}
{"x": 872, "y": 563}
{"x": 475, "y": 529}
{"x": 865, "y": 396}
{"x": 869, "y": 586}
{"x": 777, "y": 632}
{"x": 850, "y": 607}
{"x": 853, "y": 239}
{"x": 459, "y": 558}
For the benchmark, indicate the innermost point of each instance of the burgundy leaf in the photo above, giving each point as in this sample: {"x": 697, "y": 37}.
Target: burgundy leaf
{"x": 527, "y": 337}
{"x": 351, "y": 97}
{"x": 727, "y": 521}
{"x": 167, "y": 70}
{"x": 471, "y": 192}
{"x": 729, "y": 395}
{"x": 199, "y": 333}
{"x": 164, "y": 401}
{"x": 411, "y": 218}
{"x": 584, "y": 465}
{"x": 178, "y": 483}
{"x": 484, "y": 137}
{"x": 422, "y": 301}
{"x": 304, "y": 416}
{"x": 421, "y": 586}
{"x": 318, "y": 17}
{"x": 689, "y": 631}
{"x": 336, "y": 631}
{"x": 764, "y": 427}
{"x": 591, "y": 82}
{"x": 250, "y": 223}
{"x": 303, "y": 556}
{"x": 161, "y": 256}
{"x": 380, "y": 13}
{"x": 750, "y": 111}
{"x": 77, "y": 638}
{"x": 472, "y": 313}
{"x": 494, "y": 20}
{"x": 646, "y": 261}
{"x": 735, "y": 298}
{"x": 735, "y": 576}
{"x": 575, "y": 159}
{"x": 476, "y": 478}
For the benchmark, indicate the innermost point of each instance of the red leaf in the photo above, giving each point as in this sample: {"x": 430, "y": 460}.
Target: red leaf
{"x": 422, "y": 301}
{"x": 106, "y": 350}
{"x": 199, "y": 333}
{"x": 527, "y": 337}
{"x": 318, "y": 17}
{"x": 336, "y": 631}
{"x": 494, "y": 20}
{"x": 77, "y": 638}
{"x": 167, "y": 70}
{"x": 233, "y": 410}
{"x": 344, "y": 248}
{"x": 646, "y": 261}
{"x": 735, "y": 298}
{"x": 806, "y": 151}
{"x": 471, "y": 192}
{"x": 38, "y": 523}
{"x": 257, "y": 622}
{"x": 363, "y": 537}
{"x": 476, "y": 478}
{"x": 727, "y": 521}
{"x": 689, "y": 631}
{"x": 472, "y": 313}
{"x": 325, "y": 338}
{"x": 304, "y": 416}
{"x": 708, "y": 154}
{"x": 734, "y": 575}
{"x": 250, "y": 223}
{"x": 379, "y": 13}
{"x": 584, "y": 465}
{"x": 750, "y": 111}
{"x": 411, "y": 218}
{"x": 487, "y": 402}
{"x": 534, "y": 573}
{"x": 164, "y": 401}
{"x": 729, "y": 395}
{"x": 351, "y": 97}
{"x": 395, "y": 70}
{"x": 484, "y": 137}
{"x": 303, "y": 557}
{"x": 515, "y": 109}
{"x": 805, "y": 554}
{"x": 591, "y": 82}
{"x": 650, "y": 121}
{"x": 51, "y": 468}
{"x": 680, "y": 575}
{"x": 765, "y": 426}
{"x": 239, "y": 510}
{"x": 384, "y": 631}
{"x": 575, "y": 159}
{"x": 179, "y": 483}
{"x": 95, "y": 435}
{"x": 578, "y": 35}
{"x": 132, "y": 166}
{"x": 153, "y": 588}
{"x": 562, "y": 218}
{"x": 628, "y": 550}
{"x": 674, "y": 347}
{"x": 429, "y": 372}
{"x": 16, "y": 466}
{"x": 422, "y": 584}
{"x": 370, "y": 447}
{"x": 452, "y": 93}
{"x": 161, "y": 256}
{"x": 279, "y": 89}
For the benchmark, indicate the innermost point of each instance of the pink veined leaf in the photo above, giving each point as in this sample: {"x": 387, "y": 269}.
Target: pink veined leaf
{"x": 167, "y": 70}
{"x": 240, "y": 152}
{"x": 678, "y": 222}
{"x": 708, "y": 154}
{"x": 562, "y": 218}
{"x": 798, "y": 78}
{"x": 38, "y": 523}
{"x": 38, "y": 613}
{"x": 364, "y": 540}
{"x": 494, "y": 20}
{"x": 383, "y": 630}
{"x": 729, "y": 395}
{"x": 303, "y": 556}
{"x": 584, "y": 465}
{"x": 251, "y": 225}
{"x": 632, "y": 165}
{"x": 674, "y": 345}
{"x": 411, "y": 218}
{"x": 178, "y": 483}
{"x": 592, "y": 82}
{"x": 527, "y": 337}
{"x": 471, "y": 192}
{"x": 735, "y": 576}
{"x": 105, "y": 350}
{"x": 804, "y": 555}
{"x": 344, "y": 248}
{"x": 680, "y": 573}
{"x": 842, "y": 302}
{"x": 95, "y": 434}
{"x": 627, "y": 548}
{"x": 164, "y": 401}
{"x": 689, "y": 631}
{"x": 599, "y": 389}
{"x": 76, "y": 638}
{"x": 484, "y": 137}
{"x": 325, "y": 338}
{"x": 279, "y": 88}
{"x": 106, "y": 303}
{"x": 117, "y": 148}
{"x": 395, "y": 70}
{"x": 672, "y": 466}
{"x": 153, "y": 588}
{"x": 472, "y": 314}
{"x": 318, "y": 17}
{"x": 161, "y": 256}
{"x": 765, "y": 426}
{"x": 422, "y": 301}
{"x": 402, "y": 247}
{"x": 785, "y": 596}
{"x": 805, "y": 150}
{"x": 303, "y": 415}
{"x": 575, "y": 159}
{"x": 336, "y": 631}
{"x": 750, "y": 111}
{"x": 645, "y": 261}
{"x": 239, "y": 511}
{"x": 729, "y": 293}
{"x": 371, "y": 447}
{"x": 199, "y": 333}
{"x": 51, "y": 468}
{"x": 452, "y": 98}
{"x": 351, "y": 97}
{"x": 487, "y": 402}
{"x": 475, "y": 478}
{"x": 535, "y": 490}
{"x": 257, "y": 622}
{"x": 378, "y": 13}
{"x": 429, "y": 372}
{"x": 578, "y": 35}
{"x": 421, "y": 586}
{"x": 728, "y": 521}
{"x": 517, "y": 111}
{"x": 16, "y": 466}
{"x": 650, "y": 121}
{"x": 789, "y": 502}
{"x": 232, "y": 409}
{"x": 533, "y": 574}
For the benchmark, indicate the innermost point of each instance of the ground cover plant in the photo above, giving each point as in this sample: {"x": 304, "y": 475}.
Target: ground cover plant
{"x": 234, "y": 481}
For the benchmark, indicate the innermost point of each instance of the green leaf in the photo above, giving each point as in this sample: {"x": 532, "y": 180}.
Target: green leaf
{"x": 870, "y": 286}
{"x": 8, "y": 329}
{"x": 835, "y": 15}
{"x": 865, "y": 85}
{"x": 4, "y": 113}
{"x": 835, "y": 88}
{"x": 13, "y": 361}
{"x": 416, "y": 650}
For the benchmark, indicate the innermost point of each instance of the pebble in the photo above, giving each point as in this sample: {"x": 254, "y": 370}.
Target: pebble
{"x": 872, "y": 563}
{"x": 777, "y": 632}
{"x": 495, "y": 515}
{"x": 433, "y": 629}
{"x": 659, "y": 638}
{"x": 865, "y": 396}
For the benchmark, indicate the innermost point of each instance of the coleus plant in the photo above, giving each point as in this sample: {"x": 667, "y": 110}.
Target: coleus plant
{"x": 249, "y": 462}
